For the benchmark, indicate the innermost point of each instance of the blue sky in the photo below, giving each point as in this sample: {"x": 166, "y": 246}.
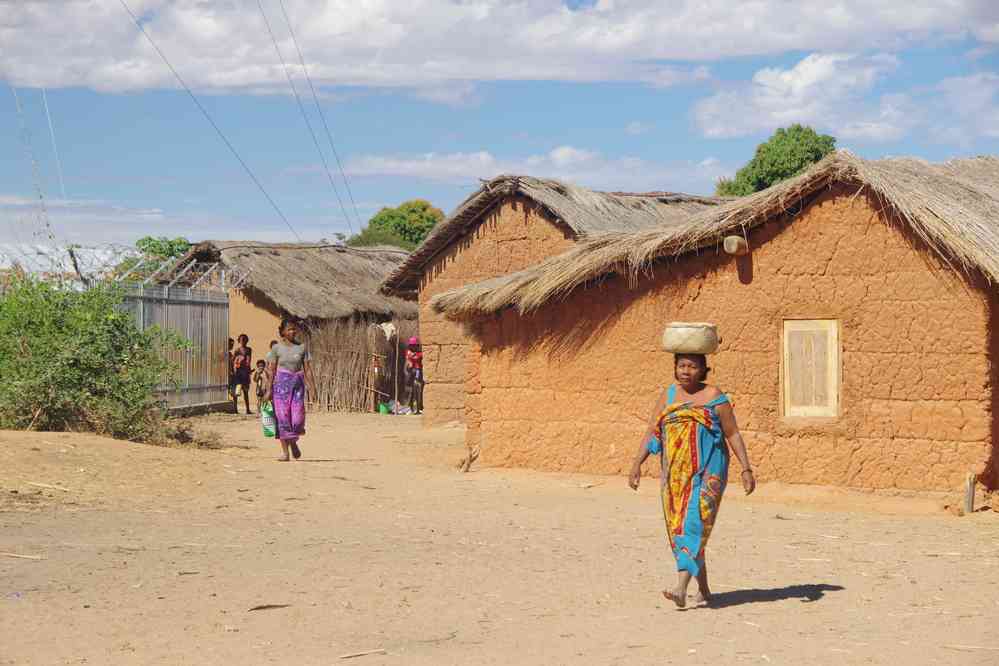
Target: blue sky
{"x": 427, "y": 97}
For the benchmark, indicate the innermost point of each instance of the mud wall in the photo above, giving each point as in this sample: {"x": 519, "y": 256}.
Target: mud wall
{"x": 513, "y": 236}
{"x": 256, "y": 315}
{"x": 571, "y": 387}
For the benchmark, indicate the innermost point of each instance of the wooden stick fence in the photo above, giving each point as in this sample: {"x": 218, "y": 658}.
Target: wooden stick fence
{"x": 355, "y": 366}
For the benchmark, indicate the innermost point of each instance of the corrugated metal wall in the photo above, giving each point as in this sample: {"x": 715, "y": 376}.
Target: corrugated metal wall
{"x": 200, "y": 316}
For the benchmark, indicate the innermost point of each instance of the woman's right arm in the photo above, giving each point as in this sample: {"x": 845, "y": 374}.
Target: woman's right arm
{"x": 651, "y": 436}
{"x": 271, "y": 373}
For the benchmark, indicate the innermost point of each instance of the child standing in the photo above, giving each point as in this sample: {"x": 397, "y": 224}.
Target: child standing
{"x": 261, "y": 381}
{"x": 414, "y": 375}
{"x": 241, "y": 371}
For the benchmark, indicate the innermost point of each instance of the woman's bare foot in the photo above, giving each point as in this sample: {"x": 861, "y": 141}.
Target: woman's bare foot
{"x": 678, "y": 598}
{"x": 703, "y": 597}
{"x": 295, "y": 451}
{"x": 283, "y": 459}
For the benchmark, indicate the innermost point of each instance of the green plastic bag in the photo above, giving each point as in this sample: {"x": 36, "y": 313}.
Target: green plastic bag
{"x": 267, "y": 420}
{"x": 383, "y": 408}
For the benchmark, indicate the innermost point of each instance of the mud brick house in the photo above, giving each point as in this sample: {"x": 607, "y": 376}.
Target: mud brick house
{"x": 314, "y": 282}
{"x": 334, "y": 289}
{"x": 510, "y": 223}
{"x": 859, "y": 323}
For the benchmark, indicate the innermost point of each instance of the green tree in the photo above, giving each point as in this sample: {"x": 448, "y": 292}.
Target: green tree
{"x": 153, "y": 251}
{"x": 371, "y": 235}
{"x": 162, "y": 247}
{"x": 404, "y": 226}
{"x": 787, "y": 153}
{"x": 73, "y": 359}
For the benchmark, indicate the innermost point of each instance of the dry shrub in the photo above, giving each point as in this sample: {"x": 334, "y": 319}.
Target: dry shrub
{"x": 343, "y": 357}
{"x": 183, "y": 433}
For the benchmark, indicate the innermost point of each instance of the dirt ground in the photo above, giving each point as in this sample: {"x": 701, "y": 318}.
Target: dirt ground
{"x": 132, "y": 554}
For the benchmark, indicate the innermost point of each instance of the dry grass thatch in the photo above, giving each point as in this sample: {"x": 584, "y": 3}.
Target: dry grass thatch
{"x": 314, "y": 281}
{"x": 585, "y": 212}
{"x": 953, "y": 207}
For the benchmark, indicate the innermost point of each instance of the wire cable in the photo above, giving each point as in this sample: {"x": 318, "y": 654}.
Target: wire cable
{"x": 305, "y": 116}
{"x": 211, "y": 120}
{"x": 43, "y": 213}
{"x": 315, "y": 97}
{"x": 55, "y": 148}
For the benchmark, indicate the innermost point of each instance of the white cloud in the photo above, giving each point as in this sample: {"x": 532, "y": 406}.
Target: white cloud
{"x": 433, "y": 45}
{"x": 973, "y": 105}
{"x": 90, "y": 222}
{"x": 831, "y": 91}
{"x": 567, "y": 163}
{"x": 635, "y": 128}
{"x": 825, "y": 90}
{"x": 457, "y": 94}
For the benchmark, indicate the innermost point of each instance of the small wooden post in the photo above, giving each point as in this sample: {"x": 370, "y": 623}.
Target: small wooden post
{"x": 969, "y": 494}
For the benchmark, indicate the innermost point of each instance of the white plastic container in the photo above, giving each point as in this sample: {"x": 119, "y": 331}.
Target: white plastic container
{"x": 684, "y": 337}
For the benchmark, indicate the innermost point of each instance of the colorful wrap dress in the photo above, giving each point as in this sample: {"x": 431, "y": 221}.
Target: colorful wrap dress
{"x": 695, "y": 461}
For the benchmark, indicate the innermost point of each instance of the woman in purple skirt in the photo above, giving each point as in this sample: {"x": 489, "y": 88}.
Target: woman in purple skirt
{"x": 288, "y": 365}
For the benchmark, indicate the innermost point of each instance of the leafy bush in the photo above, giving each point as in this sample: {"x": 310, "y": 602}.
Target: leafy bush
{"x": 73, "y": 360}
{"x": 787, "y": 153}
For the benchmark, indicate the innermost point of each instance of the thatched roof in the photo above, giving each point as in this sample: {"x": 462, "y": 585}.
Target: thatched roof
{"x": 313, "y": 281}
{"x": 953, "y": 207}
{"x": 585, "y": 212}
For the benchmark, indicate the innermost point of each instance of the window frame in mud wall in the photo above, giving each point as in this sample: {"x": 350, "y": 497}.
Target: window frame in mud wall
{"x": 832, "y": 365}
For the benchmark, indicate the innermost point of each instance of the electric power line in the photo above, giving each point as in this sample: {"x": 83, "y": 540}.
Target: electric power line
{"x": 315, "y": 97}
{"x": 43, "y": 213}
{"x": 55, "y": 149}
{"x": 305, "y": 116}
{"x": 208, "y": 117}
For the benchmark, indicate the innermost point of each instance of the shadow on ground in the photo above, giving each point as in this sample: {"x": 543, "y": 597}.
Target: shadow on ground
{"x": 807, "y": 593}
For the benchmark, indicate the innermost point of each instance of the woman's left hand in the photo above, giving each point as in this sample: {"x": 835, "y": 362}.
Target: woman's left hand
{"x": 748, "y": 481}
{"x": 635, "y": 477}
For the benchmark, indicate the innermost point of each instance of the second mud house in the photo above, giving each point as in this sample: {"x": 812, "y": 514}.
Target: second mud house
{"x": 510, "y": 223}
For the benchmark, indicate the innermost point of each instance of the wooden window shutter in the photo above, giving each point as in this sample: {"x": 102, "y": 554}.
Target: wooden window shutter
{"x": 810, "y": 367}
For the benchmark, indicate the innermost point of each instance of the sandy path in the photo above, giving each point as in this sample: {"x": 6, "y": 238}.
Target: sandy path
{"x": 155, "y": 556}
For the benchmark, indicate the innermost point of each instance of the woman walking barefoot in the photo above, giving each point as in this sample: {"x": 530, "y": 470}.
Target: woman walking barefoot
{"x": 689, "y": 430}
{"x": 288, "y": 367}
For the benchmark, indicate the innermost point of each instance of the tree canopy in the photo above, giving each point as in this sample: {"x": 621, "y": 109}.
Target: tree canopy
{"x": 153, "y": 251}
{"x": 404, "y": 226}
{"x": 788, "y": 152}
{"x": 167, "y": 248}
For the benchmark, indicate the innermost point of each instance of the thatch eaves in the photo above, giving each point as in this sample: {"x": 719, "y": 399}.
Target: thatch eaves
{"x": 319, "y": 281}
{"x": 585, "y": 212}
{"x": 953, "y": 207}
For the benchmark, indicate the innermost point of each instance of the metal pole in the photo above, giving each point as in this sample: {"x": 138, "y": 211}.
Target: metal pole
{"x": 156, "y": 272}
{"x": 206, "y": 274}
{"x": 241, "y": 280}
{"x": 395, "y": 372}
{"x": 131, "y": 270}
{"x": 182, "y": 274}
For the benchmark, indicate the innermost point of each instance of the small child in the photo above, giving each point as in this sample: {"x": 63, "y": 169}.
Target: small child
{"x": 414, "y": 375}
{"x": 261, "y": 379}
